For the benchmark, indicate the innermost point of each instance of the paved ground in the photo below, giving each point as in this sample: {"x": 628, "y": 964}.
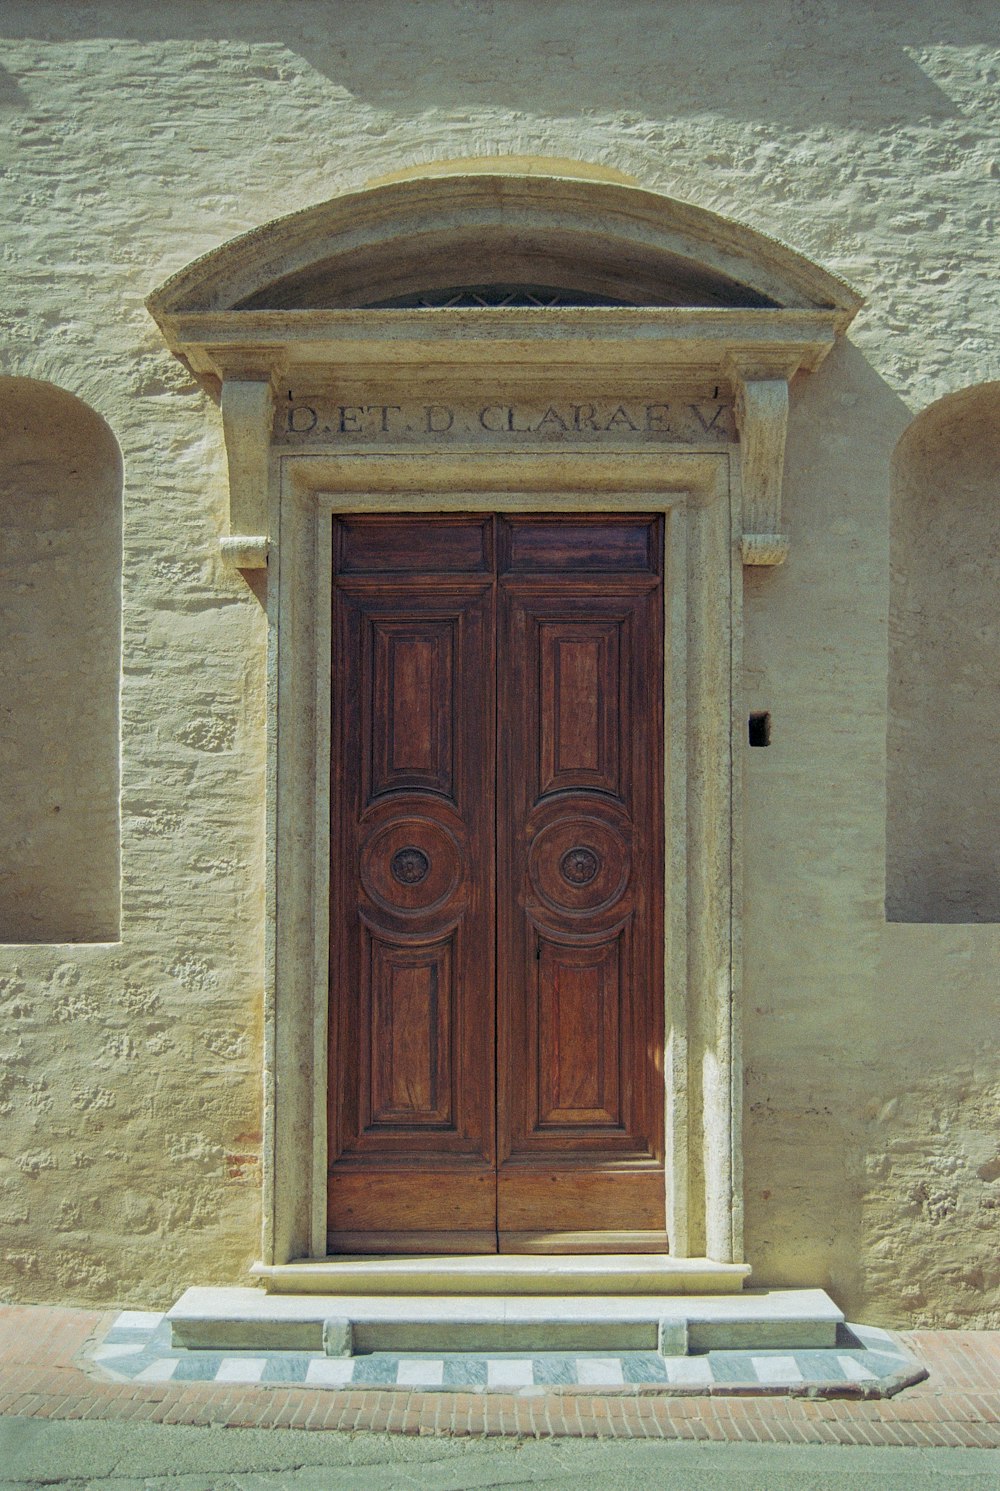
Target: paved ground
{"x": 43, "y": 1376}
{"x": 131, "y": 1457}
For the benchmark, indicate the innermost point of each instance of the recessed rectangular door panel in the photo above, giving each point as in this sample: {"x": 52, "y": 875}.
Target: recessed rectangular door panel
{"x": 409, "y": 1000}
{"x": 629, "y": 543}
{"x": 580, "y": 903}
{"x": 412, "y": 723}
{"x": 392, "y": 543}
{"x": 573, "y": 1071}
{"x": 580, "y": 695}
{"x": 412, "y": 1106}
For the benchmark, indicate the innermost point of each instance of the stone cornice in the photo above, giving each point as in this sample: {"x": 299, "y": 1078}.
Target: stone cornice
{"x": 668, "y": 342}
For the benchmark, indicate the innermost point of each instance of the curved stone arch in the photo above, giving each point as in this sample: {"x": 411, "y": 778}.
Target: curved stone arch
{"x": 943, "y": 790}
{"x": 435, "y": 230}
{"x": 86, "y": 382}
{"x": 60, "y": 665}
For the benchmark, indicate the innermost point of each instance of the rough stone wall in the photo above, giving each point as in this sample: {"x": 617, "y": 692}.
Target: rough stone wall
{"x": 138, "y": 137}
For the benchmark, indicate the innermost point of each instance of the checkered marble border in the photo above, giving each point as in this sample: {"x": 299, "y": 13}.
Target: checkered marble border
{"x": 866, "y": 1362}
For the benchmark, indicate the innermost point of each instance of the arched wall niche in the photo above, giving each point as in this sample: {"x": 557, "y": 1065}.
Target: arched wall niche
{"x": 943, "y": 788}
{"x": 60, "y": 663}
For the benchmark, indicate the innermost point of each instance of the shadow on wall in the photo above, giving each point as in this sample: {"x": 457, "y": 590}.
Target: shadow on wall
{"x": 813, "y": 1028}
{"x": 795, "y": 65}
{"x": 60, "y": 663}
{"x": 943, "y": 768}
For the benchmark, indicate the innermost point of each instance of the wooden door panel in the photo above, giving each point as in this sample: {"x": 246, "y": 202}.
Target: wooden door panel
{"x": 627, "y": 544}
{"x": 376, "y": 1211}
{"x": 410, "y": 999}
{"x": 580, "y": 856}
{"x": 453, "y": 850}
{"x": 412, "y": 893}
{"x": 411, "y": 723}
{"x": 389, "y": 544}
{"x": 589, "y": 1199}
{"x": 581, "y": 702}
{"x": 575, "y": 1037}
{"x": 413, "y": 908}
{"x": 577, "y": 865}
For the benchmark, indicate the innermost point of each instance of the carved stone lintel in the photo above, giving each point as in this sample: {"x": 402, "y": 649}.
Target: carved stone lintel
{"x": 762, "y": 420}
{"x": 247, "y": 415}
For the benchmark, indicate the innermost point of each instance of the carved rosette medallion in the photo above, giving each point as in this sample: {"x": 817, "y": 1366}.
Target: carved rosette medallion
{"x": 410, "y": 865}
{"x": 579, "y": 865}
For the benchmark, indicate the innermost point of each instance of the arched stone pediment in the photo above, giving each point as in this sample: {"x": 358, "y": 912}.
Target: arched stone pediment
{"x": 393, "y": 283}
{"x": 597, "y": 237}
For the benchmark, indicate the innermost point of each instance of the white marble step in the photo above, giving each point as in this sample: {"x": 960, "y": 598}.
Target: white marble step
{"x": 506, "y": 1273}
{"x": 763, "y": 1319}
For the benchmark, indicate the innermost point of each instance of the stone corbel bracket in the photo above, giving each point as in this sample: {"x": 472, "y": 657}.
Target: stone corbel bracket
{"x": 761, "y": 392}
{"x": 247, "y": 419}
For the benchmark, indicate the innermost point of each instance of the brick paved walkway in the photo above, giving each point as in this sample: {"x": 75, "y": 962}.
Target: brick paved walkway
{"x": 959, "y": 1405}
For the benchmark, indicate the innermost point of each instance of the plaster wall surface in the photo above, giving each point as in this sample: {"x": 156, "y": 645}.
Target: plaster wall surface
{"x": 941, "y": 849}
{"x": 137, "y": 139}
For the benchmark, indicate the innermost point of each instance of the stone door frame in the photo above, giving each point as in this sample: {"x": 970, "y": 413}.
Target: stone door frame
{"x": 699, "y": 498}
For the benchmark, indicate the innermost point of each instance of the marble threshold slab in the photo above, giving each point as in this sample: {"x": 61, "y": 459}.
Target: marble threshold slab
{"x": 508, "y": 1274}
{"x": 242, "y": 1318}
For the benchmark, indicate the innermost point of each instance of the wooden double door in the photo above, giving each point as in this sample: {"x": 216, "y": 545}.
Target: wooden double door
{"x": 496, "y": 973}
